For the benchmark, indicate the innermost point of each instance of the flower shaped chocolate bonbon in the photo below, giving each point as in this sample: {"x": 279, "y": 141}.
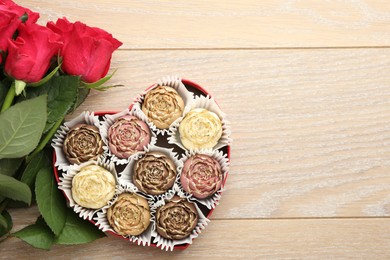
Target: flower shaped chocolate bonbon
{"x": 201, "y": 176}
{"x": 176, "y": 219}
{"x": 154, "y": 173}
{"x": 168, "y": 164}
{"x": 163, "y": 105}
{"x": 200, "y": 129}
{"x": 127, "y": 136}
{"x": 82, "y": 143}
{"x": 130, "y": 215}
{"x": 93, "y": 187}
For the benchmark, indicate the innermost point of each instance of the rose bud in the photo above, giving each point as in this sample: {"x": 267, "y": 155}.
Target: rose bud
{"x": 87, "y": 50}
{"x": 29, "y": 56}
{"x": 82, "y": 143}
{"x": 10, "y": 19}
{"x": 93, "y": 187}
{"x": 176, "y": 219}
{"x": 11, "y": 15}
{"x": 154, "y": 173}
{"x": 7, "y": 7}
{"x": 200, "y": 129}
{"x": 8, "y": 25}
{"x": 201, "y": 176}
{"x": 127, "y": 136}
{"x": 130, "y": 214}
{"x": 163, "y": 105}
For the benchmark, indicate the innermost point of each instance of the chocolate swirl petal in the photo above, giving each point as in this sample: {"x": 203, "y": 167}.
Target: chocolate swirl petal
{"x": 127, "y": 136}
{"x": 130, "y": 215}
{"x": 176, "y": 219}
{"x": 93, "y": 186}
{"x": 82, "y": 143}
{"x": 200, "y": 129}
{"x": 201, "y": 176}
{"x": 163, "y": 105}
{"x": 154, "y": 173}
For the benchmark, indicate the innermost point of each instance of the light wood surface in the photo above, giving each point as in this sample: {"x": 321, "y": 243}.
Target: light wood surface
{"x": 306, "y": 86}
{"x": 231, "y": 24}
{"x": 329, "y": 238}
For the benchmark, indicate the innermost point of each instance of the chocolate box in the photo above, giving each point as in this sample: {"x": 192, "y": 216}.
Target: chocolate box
{"x": 166, "y": 141}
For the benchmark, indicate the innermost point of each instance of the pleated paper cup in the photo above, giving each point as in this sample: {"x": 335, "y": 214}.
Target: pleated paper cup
{"x": 126, "y": 176}
{"x": 65, "y": 184}
{"x": 102, "y": 222}
{"x": 108, "y": 121}
{"x": 170, "y": 81}
{"x": 84, "y": 118}
{"x": 209, "y": 104}
{"x": 212, "y": 201}
{"x": 169, "y": 244}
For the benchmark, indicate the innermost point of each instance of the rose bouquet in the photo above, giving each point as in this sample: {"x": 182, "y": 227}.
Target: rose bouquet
{"x": 46, "y": 72}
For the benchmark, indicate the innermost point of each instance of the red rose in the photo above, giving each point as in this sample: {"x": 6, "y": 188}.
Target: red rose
{"x": 86, "y": 51}
{"x": 30, "y": 54}
{"x": 9, "y": 22}
{"x": 10, "y": 14}
{"x": 8, "y": 5}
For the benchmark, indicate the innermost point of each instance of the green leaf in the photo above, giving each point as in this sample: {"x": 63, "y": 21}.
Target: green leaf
{"x": 50, "y": 201}
{"x": 3, "y": 222}
{"x": 21, "y": 127}
{"x": 6, "y": 223}
{"x": 10, "y": 166}
{"x": 62, "y": 94}
{"x": 45, "y": 139}
{"x": 14, "y": 189}
{"x": 81, "y": 96}
{"x": 38, "y": 235}
{"x": 39, "y": 161}
{"x": 78, "y": 231}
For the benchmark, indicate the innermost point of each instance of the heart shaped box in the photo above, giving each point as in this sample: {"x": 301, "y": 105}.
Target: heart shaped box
{"x": 207, "y": 212}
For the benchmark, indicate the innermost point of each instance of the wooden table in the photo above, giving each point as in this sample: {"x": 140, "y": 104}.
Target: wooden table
{"x": 306, "y": 86}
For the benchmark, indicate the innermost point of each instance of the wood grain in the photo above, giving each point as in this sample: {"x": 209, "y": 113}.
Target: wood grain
{"x": 244, "y": 239}
{"x": 226, "y": 24}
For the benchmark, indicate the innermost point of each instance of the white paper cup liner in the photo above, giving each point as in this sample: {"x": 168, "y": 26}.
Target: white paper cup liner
{"x": 84, "y": 118}
{"x": 65, "y": 184}
{"x": 170, "y": 81}
{"x": 126, "y": 176}
{"x": 101, "y": 219}
{"x": 209, "y": 104}
{"x": 169, "y": 244}
{"x": 108, "y": 121}
{"x": 222, "y": 159}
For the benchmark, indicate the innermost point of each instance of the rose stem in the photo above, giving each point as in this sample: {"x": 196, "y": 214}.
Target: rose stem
{"x": 45, "y": 140}
{"x": 9, "y": 98}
